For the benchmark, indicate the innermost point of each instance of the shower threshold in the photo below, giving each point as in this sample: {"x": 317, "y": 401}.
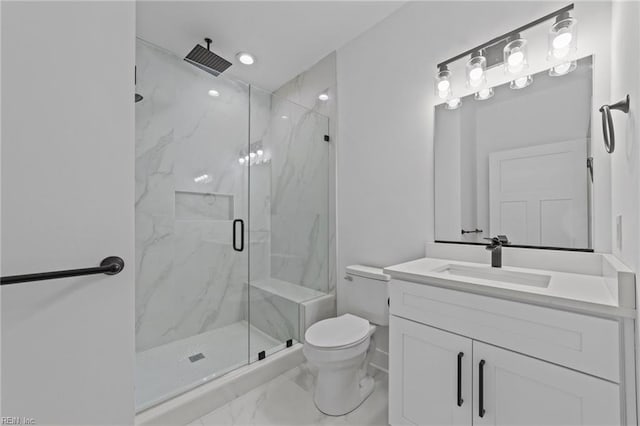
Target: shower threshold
{"x": 169, "y": 370}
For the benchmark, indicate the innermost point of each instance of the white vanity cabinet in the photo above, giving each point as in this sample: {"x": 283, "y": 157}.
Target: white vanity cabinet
{"x": 520, "y": 363}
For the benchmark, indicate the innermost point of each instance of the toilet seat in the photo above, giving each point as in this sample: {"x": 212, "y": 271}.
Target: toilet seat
{"x": 342, "y": 332}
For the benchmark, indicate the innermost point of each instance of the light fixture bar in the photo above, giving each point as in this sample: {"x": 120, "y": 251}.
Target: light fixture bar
{"x": 505, "y": 35}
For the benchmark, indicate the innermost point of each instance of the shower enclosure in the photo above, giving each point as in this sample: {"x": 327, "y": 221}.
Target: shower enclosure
{"x": 231, "y": 223}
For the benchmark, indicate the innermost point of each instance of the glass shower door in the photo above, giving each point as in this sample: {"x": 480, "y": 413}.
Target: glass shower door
{"x": 289, "y": 219}
{"x": 192, "y": 132}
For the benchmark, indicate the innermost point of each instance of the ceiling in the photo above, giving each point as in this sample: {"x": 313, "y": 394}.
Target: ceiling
{"x": 286, "y": 37}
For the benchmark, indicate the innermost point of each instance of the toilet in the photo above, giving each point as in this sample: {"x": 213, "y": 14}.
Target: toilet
{"x": 341, "y": 348}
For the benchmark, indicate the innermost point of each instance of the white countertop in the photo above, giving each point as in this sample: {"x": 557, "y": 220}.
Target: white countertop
{"x": 582, "y": 292}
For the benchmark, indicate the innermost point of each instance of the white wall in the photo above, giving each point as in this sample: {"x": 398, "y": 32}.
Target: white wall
{"x": 67, "y": 201}
{"x": 625, "y": 173}
{"x": 385, "y": 153}
{"x": 625, "y": 168}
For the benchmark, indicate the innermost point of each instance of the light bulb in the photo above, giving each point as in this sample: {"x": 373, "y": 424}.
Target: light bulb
{"x": 453, "y": 103}
{"x": 562, "y": 40}
{"x": 515, "y": 55}
{"x": 521, "y": 82}
{"x": 246, "y": 157}
{"x": 562, "y": 37}
{"x": 516, "y": 59}
{"x": 484, "y": 94}
{"x": 323, "y": 97}
{"x": 443, "y": 85}
{"x": 241, "y": 160}
{"x": 475, "y": 73}
{"x": 214, "y": 93}
{"x": 563, "y": 68}
{"x": 252, "y": 154}
{"x": 260, "y": 152}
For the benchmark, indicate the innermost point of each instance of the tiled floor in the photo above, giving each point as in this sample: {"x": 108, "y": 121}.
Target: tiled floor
{"x": 287, "y": 400}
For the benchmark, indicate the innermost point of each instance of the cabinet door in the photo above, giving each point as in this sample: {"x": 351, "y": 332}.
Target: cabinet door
{"x": 427, "y": 367}
{"x": 515, "y": 389}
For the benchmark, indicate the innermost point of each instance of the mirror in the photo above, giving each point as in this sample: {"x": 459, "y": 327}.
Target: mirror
{"x": 518, "y": 164}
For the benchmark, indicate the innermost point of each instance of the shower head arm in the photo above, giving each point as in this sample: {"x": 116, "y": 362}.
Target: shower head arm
{"x": 208, "y": 41}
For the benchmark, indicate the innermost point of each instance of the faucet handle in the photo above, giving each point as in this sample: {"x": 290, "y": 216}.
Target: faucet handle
{"x": 498, "y": 240}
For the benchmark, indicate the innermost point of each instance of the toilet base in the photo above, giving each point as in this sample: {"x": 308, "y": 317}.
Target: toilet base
{"x": 340, "y": 392}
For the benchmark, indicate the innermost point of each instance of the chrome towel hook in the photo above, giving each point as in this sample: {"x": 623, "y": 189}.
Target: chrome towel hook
{"x": 607, "y": 122}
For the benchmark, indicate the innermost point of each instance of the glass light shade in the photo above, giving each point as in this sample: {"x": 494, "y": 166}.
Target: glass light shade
{"x": 484, "y": 94}
{"x": 563, "y": 39}
{"x": 453, "y": 103}
{"x": 442, "y": 86}
{"x": 476, "y": 67}
{"x": 563, "y": 68}
{"x": 515, "y": 56}
{"x": 521, "y": 82}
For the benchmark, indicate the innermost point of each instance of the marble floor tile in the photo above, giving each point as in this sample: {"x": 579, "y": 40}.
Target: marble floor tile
{"x": 288, "y": 400}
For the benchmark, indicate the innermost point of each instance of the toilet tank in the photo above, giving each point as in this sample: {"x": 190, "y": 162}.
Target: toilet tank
{"x": 366, "y": 293}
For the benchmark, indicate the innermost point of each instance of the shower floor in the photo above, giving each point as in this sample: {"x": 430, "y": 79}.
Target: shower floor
{"x": 166, "y": 371}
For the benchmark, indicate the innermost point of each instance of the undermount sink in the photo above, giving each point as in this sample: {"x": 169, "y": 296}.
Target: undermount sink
{"x": 495, "y": 274}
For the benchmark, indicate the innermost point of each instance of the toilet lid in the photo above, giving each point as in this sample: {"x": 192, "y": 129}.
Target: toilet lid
{"x": 344, "y": 330}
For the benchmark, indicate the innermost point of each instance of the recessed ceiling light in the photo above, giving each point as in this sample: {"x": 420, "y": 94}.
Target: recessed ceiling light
{"x": 214, "y": 93}
{"x": 323, "y": 97}
{"x": 245, "y": 58}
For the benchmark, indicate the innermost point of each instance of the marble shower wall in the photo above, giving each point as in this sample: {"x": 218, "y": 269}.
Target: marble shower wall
{"x": 303, "y": 249}
{"x": 188, "y": 277}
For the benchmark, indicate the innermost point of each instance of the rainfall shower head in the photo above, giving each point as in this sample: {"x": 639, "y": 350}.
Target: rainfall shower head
{"x": 206, "y": 60}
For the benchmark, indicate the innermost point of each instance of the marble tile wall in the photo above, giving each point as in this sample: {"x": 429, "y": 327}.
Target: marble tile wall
{"x": 303, "y": 175}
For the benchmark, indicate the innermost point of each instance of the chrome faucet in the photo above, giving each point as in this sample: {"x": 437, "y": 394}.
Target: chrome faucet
{"x": 496, "y": 249}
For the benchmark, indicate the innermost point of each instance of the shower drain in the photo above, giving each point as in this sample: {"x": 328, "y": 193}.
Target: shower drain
{"x": 196, "y": 357}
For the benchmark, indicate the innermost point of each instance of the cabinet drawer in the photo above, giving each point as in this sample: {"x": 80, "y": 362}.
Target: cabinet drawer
{"x": 581, "y": 342}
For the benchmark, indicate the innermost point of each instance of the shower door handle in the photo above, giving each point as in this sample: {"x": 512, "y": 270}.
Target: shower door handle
{"x": 235, "y": 239}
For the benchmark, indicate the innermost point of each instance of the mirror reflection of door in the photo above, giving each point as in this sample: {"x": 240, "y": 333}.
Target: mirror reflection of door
{"x": 538, "y": 194}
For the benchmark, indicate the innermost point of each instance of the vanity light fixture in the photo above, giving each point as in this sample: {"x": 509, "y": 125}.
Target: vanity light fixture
{"x": 563, "y": 68}
{"x": 245, "y": 58}
{"x": 453, "y": 103}
{"x": 521, "y": 82}
{"x": 563, "y": 37}
{"x": 484, "y": 94}
{"x": 476, "y": 67}
{"x": 442, "y": 84}
{"x": 515, "y": 55}
{"x": 510, "y": 51}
